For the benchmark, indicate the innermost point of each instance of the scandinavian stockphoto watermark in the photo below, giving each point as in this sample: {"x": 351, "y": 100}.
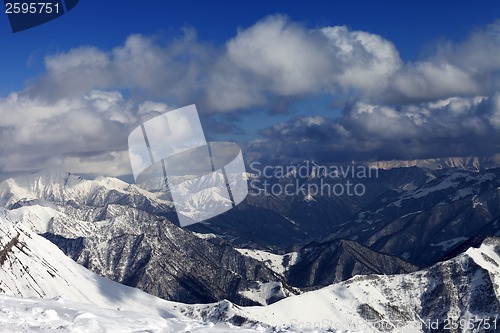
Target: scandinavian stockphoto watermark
{"x": 310, "y": 179}
{"x": 448, "y": 324}
{"x": 170, "y": 153}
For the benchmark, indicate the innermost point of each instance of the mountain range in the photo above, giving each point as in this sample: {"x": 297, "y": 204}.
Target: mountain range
{"x": 421, "y": 246}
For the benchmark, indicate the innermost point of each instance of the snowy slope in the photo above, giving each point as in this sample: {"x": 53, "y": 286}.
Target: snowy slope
{"x": 464, "y": 289}
{"x": 62, "y": 316}
{"x": 31, "y": 266}
{"x": 277, "y": 262}
{"x": 53, "y": 188}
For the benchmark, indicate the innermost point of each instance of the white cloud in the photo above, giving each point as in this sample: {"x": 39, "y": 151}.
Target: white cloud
{"x": 466, "y": 68}
{"x": 142, "y": 64}
{"x": 450, "y": 127}
{"x": 278, "y": 57}
{"x": 84, "y": 134}
{"x": 428, "y": 81}
{"x": 75, "y": 114}
{"x": 285, "y": 56}
{"x": 365, "y": 61}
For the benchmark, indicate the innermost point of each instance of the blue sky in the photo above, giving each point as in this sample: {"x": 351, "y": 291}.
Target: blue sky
{"x": 411, "y": 26}
{"x": 288, "y": 73}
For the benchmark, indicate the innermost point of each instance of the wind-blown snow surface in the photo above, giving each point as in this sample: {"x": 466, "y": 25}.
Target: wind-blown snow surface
{"x": 278, "y": 263}
{"x": 60, "y": 315}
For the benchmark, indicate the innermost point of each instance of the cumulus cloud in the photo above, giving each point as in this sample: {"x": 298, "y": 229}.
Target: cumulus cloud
{"x": 86, "y": 134}
{"x": 287, "y": 58}
{"x": 278, "y": 57}
{"x": 274, "y": 58}
{"x": 450, "y": 127}
{"x": 444, "y": 105}
{"x": 75, "y": 114}
{"x": 466, "y": 68}
{"x": 142, "y": 65}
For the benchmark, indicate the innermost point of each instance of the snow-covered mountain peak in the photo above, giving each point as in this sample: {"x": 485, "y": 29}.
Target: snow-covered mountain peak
{"x": 46, "y": 185}
{"x": 48, "y": 188}
{"x": 112, "y": 182}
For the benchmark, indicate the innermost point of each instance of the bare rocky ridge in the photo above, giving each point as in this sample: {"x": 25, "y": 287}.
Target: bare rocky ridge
{"x": 278, "y": 222}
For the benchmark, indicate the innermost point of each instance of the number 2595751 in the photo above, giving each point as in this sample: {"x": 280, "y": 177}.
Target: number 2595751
{"x": 31, "y": 8}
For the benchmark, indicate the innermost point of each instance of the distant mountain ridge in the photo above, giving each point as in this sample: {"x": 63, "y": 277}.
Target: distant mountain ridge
{"x": 465, "y": 163}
